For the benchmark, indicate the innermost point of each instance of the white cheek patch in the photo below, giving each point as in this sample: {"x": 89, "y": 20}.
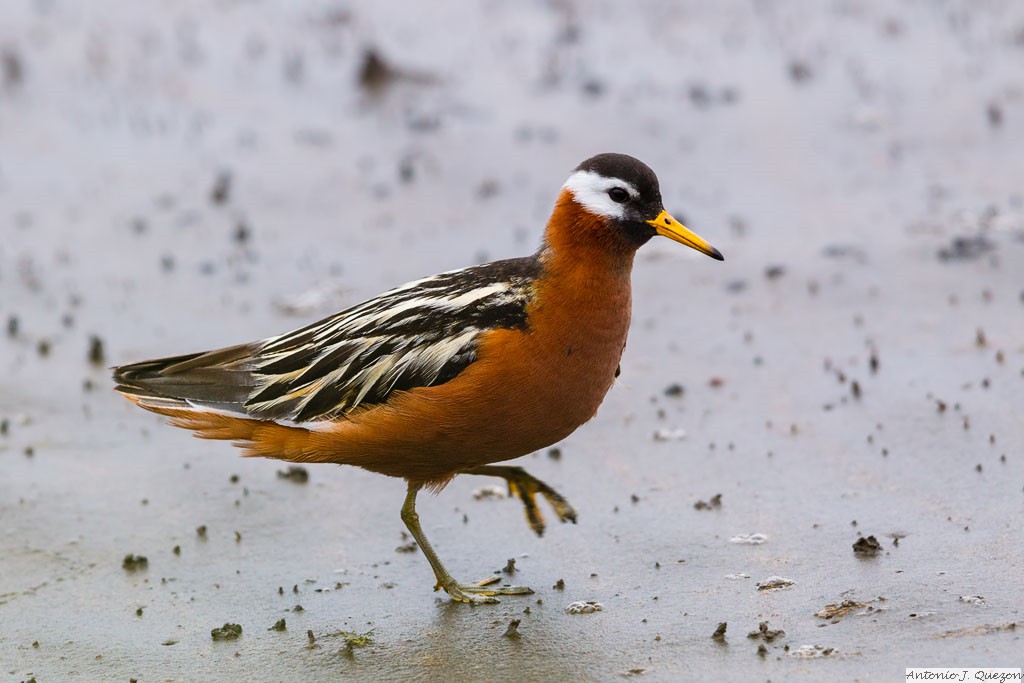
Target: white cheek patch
{"x": 590, "y": 190}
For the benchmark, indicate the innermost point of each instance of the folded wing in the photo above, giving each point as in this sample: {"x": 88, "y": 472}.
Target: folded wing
{"x": 421, "y": 334}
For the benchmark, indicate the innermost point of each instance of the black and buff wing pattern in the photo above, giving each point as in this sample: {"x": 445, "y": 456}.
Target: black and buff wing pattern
{"x": 421, "y": 334}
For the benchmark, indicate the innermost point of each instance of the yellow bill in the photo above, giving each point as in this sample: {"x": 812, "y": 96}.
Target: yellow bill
{"x": 669, "y": 227}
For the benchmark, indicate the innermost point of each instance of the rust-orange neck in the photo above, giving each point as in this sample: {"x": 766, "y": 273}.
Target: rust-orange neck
{"x": 577, "y": 239}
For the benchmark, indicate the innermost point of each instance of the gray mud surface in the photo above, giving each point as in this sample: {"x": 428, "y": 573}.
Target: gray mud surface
{"x": 182, "y": 176}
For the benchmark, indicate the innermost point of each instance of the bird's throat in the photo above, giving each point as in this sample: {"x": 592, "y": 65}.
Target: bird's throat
{"x": 576, "y": 240}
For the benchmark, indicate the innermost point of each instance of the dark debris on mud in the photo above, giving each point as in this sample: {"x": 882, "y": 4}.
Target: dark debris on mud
{"x": 228, "y": 631}
{"x": 132, "y": 563}
{"x": 712, "y": 503}
{"x": 767, "y": 634}
{"x": 867, "y": 546}
{"x": 295, "y": 474}
{"x": 966, "y": 248}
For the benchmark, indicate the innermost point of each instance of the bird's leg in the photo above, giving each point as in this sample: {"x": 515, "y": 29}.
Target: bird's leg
{"x": 472, "y": 593}
{"x": 526, "y": 487}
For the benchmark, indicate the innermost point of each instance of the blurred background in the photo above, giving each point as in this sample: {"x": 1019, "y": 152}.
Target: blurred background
{"x": 178, "y": 176}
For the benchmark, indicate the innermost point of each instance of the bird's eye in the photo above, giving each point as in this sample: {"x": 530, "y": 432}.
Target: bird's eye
{"x": 618, "y": 195}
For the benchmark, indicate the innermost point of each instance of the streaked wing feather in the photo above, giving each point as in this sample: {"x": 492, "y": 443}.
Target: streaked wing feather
{"x": 418, "y": 335}
{"x": 421, "y": 334}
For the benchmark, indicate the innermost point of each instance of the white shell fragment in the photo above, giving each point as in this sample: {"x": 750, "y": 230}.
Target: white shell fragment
{"x": 489, "y": 492}
{"x": 812, "y": 652}
{"x": 669, "y": 434}
{"x": 584, "y": 607}
{"x": 749, "y": 539}
{"x": 974, "y": 600}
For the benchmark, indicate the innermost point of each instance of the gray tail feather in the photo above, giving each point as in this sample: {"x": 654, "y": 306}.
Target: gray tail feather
{"x": 220, "y": 379}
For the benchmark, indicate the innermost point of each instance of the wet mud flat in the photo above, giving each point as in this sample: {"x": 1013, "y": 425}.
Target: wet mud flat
{"x": 812, "y": 466}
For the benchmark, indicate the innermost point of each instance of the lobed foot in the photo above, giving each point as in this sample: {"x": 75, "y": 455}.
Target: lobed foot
{"x": 481, "y": 592}
{"x": 526, "y": 487}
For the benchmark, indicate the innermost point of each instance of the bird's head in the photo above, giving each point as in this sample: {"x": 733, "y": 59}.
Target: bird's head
{"x": 624, "y": 192}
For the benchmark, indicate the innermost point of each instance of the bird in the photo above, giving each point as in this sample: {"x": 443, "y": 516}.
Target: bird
{"x": 448, "y": 374}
